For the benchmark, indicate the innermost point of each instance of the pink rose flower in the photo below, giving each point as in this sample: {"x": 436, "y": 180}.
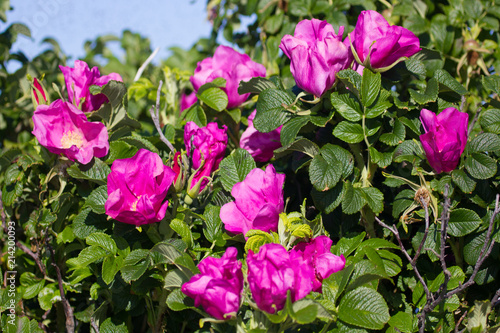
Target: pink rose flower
{"x": 219, "y": 285}
{"x": 187, "y": 101}
{"x": 258, "y": 202}
{"x": 317, "y": 253}
{"x": 272, "y": 272}
{"x": 445, "y": 137}
{"x": 78, "y": 81}
{"x": 316, "y": 55}
{"x": 63, "y": 129}
{"x": 260, "y": 145}
{"x": 230, "y": 65}
{"x": 206, "y": 146}
{"x": 373, "y": 36}
{"x": 137, "y": 187}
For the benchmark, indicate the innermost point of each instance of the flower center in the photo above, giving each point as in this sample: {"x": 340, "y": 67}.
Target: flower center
{"x": 72, "y": 138}
{"x": 134, "y": 205}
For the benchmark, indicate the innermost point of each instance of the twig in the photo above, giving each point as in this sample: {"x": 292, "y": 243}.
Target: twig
{"x": 459, "y": 321}
{"x": 155, "y": 115}
{"x": 473, "y": 122}
{"x": 496, "y": 298}
{"x": 94, "y": 324}
{"x": 68, "y": 311}
{"x": 426, "y": 232}
{"x": 145, "y": 64}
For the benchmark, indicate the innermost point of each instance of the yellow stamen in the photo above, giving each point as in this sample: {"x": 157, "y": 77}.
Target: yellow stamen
{"x": 72, "y": 138}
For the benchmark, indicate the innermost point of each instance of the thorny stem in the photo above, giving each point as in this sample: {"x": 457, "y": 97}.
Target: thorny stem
{"x": 434, "y": 299}
{"x": 68, "y": 311}
{"x": 155, "y": 115}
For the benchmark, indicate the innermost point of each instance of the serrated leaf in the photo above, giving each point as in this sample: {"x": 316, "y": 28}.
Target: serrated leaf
{"x": 290, "y": 130}
{"x": 135, "y": 265}
{"x": 429, "y": 95}
{"x": 109, "y": 327}
{"x": 140, "y": 142}
{"x": 364, "y": 307}
{"x": 480, "y": 166}
{"x": 492, "y": 83}
{"x": 370, "y": 87}
{"x": 396, "y": 137}
{"x": 87, "y": 222}
{"x": 175, "y": 279}
{"x": 381, "y": 105}
{"x": 196, "y": 114}
{"x": 349, "y": 132}
{"x": 183, "y": 230}
{"x": 257, "y": 238}
{"x": 347, "y": 106}
{"x": 335, "y": 284}
{"x": 484, "y": 142}
{"x": 97, "y": 173}
{"x": 177, "y": 301}
{"x": 351, "y": 79}
{"x": 102, "y": 240}
{"x": 473, "y": 246}
{"x": 26, "y": 161}
{"x": 463, "y": 181}
{"x": 327, "y": 201}
{"x": 346, "y": 246}
{"x": 457, "y": 278}
{"x": 490, "y": 121}
{"x": 270, "y": 110}
{"x": 304, "y": 311}
{"x": 302, "y": 231}
{"x": 324, "y": 174}
{"x": 213, "y": 224}
{"x": 353, "y": 199}
{"x": 110, "y": 266}
{"x": 463, "y": 222}
{"x": 381, "y": 159}
{"x": 409, "y": 151}
{"x": 374, "y": 198}
{"x": 301, "y": 145}
{"x": 255, "y": 85}
{"x": 449, "y": 81}
{"x": 120, "y": 150}
{"x": 235, "y": 167}
{"x": 87, "y": 256}
{"x": 403, "y": 322}
{"x": 214, "y": 97}
{"x": 97, "y": 199}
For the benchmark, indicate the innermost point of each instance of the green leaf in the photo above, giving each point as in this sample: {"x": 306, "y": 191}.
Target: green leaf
{"x": 365, "y": 272}
{"x": 463, "y": 222}
{"x": 334, "y": 154}
{"x": 335, "y": 284}
{"x": 492, "y": 83}
{"x": 290, "y": 130}
{"x": 381, "y": 105}
{"x": 110, "y": 266}
{"x": 397, "y": 136}
{"x": 463, "y": 181}
{"x": 304, "y": 311}
{"x": 197, "y": 115}
{"x": 140, "y": 142}
{"x": 255, "y": 85}
{"x": 120, "y": 150}
{"x": 177, "y": 301}
{"x": 477, "y": 320}
{"x": 26, "y": 161}
{"x": 86, "y": 257}
{"x": 441, "y": 34}
{"x": 484, "y": 142}
{"x": 102, "y": 240}
{"x": 48, "y": 296}
{"x": 346, "y": 246}
{"x": 327, "y": 201}
{"x": 135, "y": 265}
{"x": 353, "y": 199}
{"x": 480, "y": 166}
{"x": 214, "y": 97}
{"x": 270, "y": 111}
{"x": 374, "y": 198}
{"x": 324, "y": 174}
{"x": 403, "y": 322}
{"x": 351, "y": 79}
{"x": 490, "y": 121}
{"x": 381, "y": 159}
{"x": 109, "y": 327}
{"x": 347, "y": 106}
{"x": 473, "y": 246}
{"x": 235, "y": 168}
{"x": 364, "y": 307}
{"x": 449, "y": 81}
{"x": 377, "y": 244}
{"x": 183, "y": 230}
{"x": 87, "y": 222}
{"x": 370, "y": 87}
{"x": 213, "y": 224}
{"x": 97, "y": 199}
{"x": 301, "y": 145}
{"x": 349, "y": 132}
{"x": 409, "y": 151}
{"x": 429, "y": 95}
{"x": 97, "y": 172}
{"x": 457, "y": 278}
{"x": 257, "y": 238}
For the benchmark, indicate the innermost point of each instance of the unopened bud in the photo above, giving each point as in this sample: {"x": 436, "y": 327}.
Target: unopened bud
{"x": 38, "y": 93}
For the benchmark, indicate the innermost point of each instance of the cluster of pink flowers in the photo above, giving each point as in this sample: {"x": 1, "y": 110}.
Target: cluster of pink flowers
{"x": 317, "y": 53}
{"x": 272, "y": 273}
{"x": 62, "y": 127}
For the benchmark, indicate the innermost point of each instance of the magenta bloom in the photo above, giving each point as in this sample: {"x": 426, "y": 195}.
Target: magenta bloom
{"x": 230, "y": 65}
{"x": 78, "y": 81}
{"x": 260, "y": 145}
{"x": 207, "y": 146}
{"x": 445, "y": 137}
{"x": 38, "y": 94}
{"x": 317, "y": 253}
{"x": 137, "y": 187}
{"x": 63, "y": 129}
{"x": 219, "y": 286}
{"x": 316, "y": 55}
{"x": 258, "y": 202}
{"x": 187, "y": 101}
{"x": 272, "y": 272}
{"x": 390, "y": 43}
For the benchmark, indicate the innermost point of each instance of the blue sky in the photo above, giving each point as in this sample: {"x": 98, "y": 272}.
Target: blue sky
{"x": 165, "y": 22}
